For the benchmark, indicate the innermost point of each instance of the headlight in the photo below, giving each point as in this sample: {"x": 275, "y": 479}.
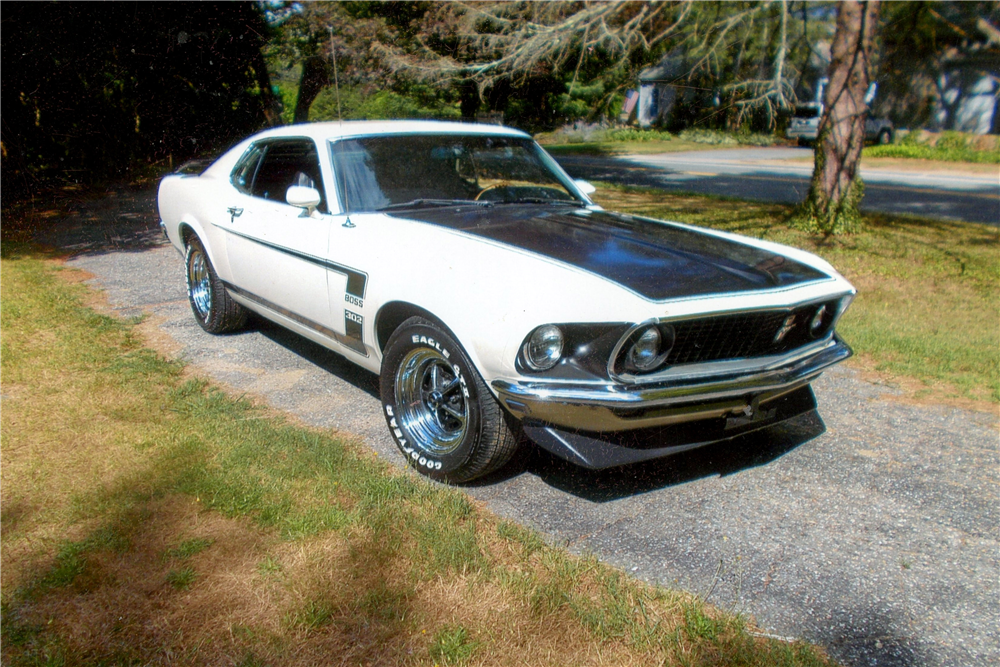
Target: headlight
{"x": 817, "y": 325}
{"x": 544, "y": 348}
{"x": 645, "y": 349}
{"x": 645, "y": 352}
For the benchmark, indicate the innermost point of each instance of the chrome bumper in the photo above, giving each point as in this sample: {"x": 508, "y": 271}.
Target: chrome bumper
{"x": 620, "y": 407}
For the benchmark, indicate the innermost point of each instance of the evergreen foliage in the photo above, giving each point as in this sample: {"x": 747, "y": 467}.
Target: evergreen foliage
{"x": 92, "y": 89}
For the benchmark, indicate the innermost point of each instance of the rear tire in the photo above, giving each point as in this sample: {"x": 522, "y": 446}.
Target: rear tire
{"x": 211, "y": 304}
{"x": 440, "y": 412}
{"x": 884, "y": 138}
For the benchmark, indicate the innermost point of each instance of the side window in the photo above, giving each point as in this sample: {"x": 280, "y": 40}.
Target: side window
{"x": 242, "y": 177}
{"x": 287, "y": 163}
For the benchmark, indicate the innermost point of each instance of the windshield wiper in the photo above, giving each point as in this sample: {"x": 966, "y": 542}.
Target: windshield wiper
{"x": 420, "y": 203}
{"x": 543, "y": 200}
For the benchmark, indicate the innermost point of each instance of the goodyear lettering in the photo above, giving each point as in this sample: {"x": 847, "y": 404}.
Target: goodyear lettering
{"x": 408, "y": 451}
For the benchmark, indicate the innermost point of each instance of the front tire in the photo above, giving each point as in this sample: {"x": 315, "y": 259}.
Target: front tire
{"x": 440, "y": 412}
{"x": 884, "y": 138}
{"x": 211, "y": 304}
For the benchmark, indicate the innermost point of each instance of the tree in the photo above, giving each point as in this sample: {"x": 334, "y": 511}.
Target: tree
{"x": 836, "y": 190}
{"x": 737, "y": 60}
{"x": 92, "y": 89}
{"x": 933, "y": 55}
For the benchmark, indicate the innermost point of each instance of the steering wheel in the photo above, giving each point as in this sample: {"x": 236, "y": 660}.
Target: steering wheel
{"x": 488, "y": 188}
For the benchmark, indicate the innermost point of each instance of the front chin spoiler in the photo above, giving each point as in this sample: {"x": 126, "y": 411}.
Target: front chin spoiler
{"x": 606, "y": 450}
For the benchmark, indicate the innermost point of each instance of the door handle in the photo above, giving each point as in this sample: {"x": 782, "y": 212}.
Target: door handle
{"x": 234, "y": 213}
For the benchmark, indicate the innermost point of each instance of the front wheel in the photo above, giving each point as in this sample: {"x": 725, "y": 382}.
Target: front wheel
{"x": 440, "y": 412}
{"x": 884, "y": 137}
{"x": 211, "y": 304}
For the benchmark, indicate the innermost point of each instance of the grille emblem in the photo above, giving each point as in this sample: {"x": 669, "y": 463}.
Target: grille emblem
{"x": 786, "y": 326}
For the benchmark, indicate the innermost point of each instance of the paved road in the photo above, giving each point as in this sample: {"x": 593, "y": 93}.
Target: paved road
{"x": 871, "y": 529}
{"x": 774, "y": 175}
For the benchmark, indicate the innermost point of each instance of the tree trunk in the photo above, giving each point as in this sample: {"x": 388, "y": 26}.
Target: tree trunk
{"x": 315, "y": 77}
{"x": 836, "y": 190}
{"x": 468, "y": 99}
{"x": 270, "y": 103}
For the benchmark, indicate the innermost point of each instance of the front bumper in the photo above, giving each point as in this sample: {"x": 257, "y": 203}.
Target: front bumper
{"x": 615, "y": 407}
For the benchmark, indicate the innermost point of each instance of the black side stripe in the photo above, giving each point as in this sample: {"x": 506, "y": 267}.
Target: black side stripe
{"x": 357, "y": 281}
{"x": 353, "y": 323}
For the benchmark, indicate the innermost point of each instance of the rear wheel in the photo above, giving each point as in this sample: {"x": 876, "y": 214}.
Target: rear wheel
{"x": 884, "y": 137}
{"x": 211, "y": 304}
{"x": 443, "y": 417}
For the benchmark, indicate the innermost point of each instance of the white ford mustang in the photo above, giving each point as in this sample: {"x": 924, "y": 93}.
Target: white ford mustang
{"x": 494, "y": 297}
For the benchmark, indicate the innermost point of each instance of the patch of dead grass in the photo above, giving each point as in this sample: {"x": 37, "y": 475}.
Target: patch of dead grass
{"x": 94, "y": 529}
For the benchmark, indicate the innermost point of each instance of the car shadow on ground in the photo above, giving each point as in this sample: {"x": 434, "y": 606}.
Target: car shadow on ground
{"x": 316, "y": 354}
{"x": 722, "y": 458}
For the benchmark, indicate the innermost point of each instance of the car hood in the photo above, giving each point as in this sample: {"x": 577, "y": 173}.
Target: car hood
{"x": 658, "y": 260}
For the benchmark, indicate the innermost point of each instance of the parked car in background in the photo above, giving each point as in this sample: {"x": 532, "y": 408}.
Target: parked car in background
{"x": 494, "y": 298}
{"x": 804, "y": 126}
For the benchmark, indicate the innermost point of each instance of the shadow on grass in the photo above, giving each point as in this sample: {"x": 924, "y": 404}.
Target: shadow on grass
{"x": 162, "y": 580}
{"x": 761, "y": 185}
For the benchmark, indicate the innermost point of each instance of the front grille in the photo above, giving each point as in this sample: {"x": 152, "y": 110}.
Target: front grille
{"x": 745, "y": 335}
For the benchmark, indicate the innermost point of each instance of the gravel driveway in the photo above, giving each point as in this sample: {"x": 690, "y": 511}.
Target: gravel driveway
{"x": 872, "y": 530}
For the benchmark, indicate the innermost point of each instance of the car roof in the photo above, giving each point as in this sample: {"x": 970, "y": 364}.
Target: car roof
{"x": 349, "y": 128}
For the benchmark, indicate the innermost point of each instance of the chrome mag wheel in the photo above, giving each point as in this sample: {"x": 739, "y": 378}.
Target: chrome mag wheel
{"x": 431, "y": 401}
{"x": 200, "y": 284}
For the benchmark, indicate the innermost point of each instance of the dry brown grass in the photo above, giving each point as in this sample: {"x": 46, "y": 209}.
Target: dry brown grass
{"x": 132, "y": 533}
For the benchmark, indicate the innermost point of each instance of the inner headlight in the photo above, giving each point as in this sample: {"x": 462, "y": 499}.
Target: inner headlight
{"x": 645, "y": 352}
{"x": 816, "y": 325}
{"x": 645, "y": 349}
{"x": 544, "y": 348}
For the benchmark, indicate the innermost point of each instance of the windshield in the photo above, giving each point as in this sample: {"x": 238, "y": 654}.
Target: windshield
{"x": 375, "y": 173}
{"x": 807, "y": 111}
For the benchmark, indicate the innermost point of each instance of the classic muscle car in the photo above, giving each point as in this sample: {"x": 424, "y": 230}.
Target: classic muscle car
{"x": 495, "y": 299}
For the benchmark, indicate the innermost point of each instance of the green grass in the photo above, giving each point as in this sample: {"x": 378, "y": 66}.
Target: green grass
{"x": 926, "y": 314}
{"x": 189, "y": 548}
{"x": 946, "y": 147}
{"x": 628, "y": 140}
{"x": 182, "y": 578}
{"x": 452, "y": 645}
{"x": 150, "y": 517}
{"x": 924, "y": 152}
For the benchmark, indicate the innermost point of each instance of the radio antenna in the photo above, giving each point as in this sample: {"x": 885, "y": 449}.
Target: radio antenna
{"x": 336, "y": 84}
{"x": 340, "y": 119}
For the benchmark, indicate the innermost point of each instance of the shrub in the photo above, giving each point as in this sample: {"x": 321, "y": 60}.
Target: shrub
{"x": 720, "y": 138}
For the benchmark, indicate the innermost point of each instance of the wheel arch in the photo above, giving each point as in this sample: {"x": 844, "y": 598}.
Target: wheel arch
{"x": 394, "y": 313}
{"x": 190, "y": 228}
{"x": 186, "y": 231}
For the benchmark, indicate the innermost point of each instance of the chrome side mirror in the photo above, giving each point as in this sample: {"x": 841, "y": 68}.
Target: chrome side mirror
{"x": 585, "y": 187}
{"x": 301, "y": 196}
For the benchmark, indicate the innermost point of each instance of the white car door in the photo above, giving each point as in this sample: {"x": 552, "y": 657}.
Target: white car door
{"x": 278, "y": 252}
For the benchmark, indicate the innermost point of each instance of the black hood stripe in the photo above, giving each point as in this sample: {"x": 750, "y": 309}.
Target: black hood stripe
{"x": 654, "y": 259}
